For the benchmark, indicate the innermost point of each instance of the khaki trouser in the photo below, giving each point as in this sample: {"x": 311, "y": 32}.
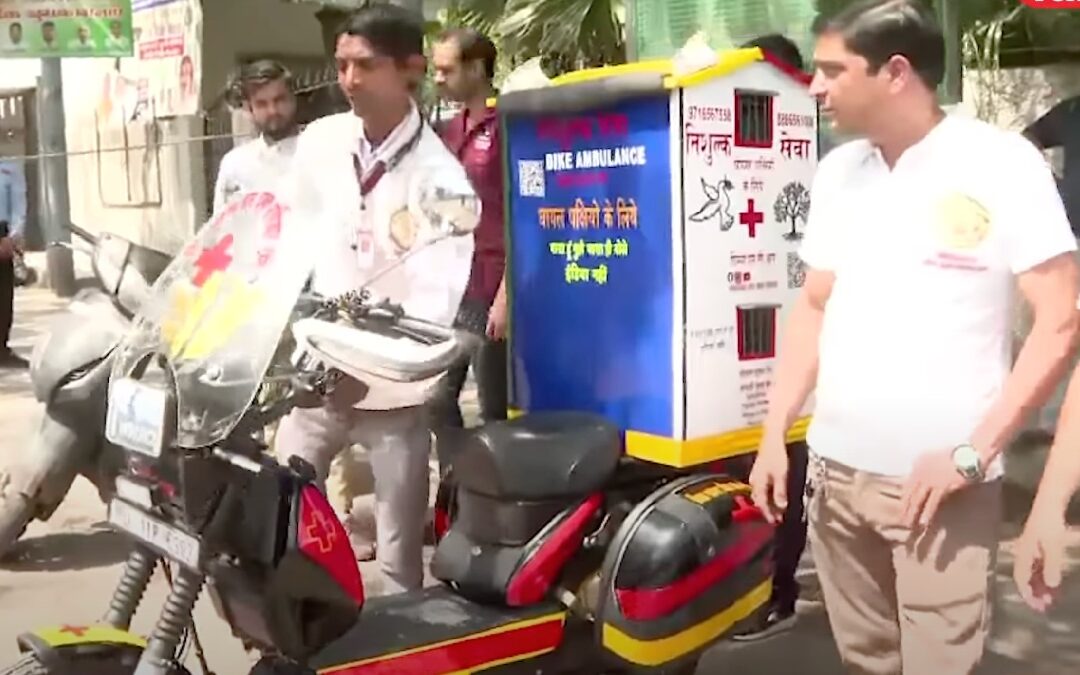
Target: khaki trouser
{"x": 898, "y": 602}
{"x": 399, "y": 445}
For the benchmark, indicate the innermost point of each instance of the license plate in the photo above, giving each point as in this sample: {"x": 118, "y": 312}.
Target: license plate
{"x": 136, "y": 416}
{"x": 172, "y": 541}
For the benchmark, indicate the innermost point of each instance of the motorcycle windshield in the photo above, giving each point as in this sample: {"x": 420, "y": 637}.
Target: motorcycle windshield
{"x": 218, "y": 312}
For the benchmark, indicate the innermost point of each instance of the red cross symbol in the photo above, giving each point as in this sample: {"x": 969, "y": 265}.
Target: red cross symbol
{"x": 215, "y": 259}
{"x": 77, "y": 631}
{"x": 751, "y": 218}
{"x": 322, "y": 531}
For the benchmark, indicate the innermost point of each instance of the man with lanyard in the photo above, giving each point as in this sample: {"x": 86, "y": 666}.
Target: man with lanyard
{"x": 916, "y": 245}
{"x": 464, "y": 63}
{"x": 355, "y": 170}
{"x": 12, "y": 224}
{"x": 266, "y": 90}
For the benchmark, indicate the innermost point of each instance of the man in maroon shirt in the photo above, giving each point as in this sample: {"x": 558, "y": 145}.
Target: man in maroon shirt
{"x": 464, "y": 62}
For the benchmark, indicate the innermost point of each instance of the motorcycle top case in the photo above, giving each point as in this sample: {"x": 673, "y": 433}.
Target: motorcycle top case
{"x": 690, "y": 563}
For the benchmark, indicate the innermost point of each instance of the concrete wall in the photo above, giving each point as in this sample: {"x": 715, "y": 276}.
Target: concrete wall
{"x": 147, "y": 179}
{"x": 1014, "y": 98}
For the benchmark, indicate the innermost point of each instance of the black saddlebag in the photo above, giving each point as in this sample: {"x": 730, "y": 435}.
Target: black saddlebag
{"x": 692, "y": 562}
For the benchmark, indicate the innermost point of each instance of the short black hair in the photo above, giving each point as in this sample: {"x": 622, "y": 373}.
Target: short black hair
{"x": 392, "y": 30}
{"x": 260, "y": 73}
{"x": 780, "y": 47}
{"x": 877, "y": 30}
{"x": 474, "y": 46}
{"x": 48, "y": 24}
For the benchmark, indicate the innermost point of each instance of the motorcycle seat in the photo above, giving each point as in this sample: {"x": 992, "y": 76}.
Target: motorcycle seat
{"x": 539, "y": 456}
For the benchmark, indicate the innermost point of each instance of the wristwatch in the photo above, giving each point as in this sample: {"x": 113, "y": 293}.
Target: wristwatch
{"x": 967, "y": 461}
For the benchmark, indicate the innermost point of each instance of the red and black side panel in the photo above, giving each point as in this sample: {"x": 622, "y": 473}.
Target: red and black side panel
{"x": 304, "y": 589}
{"x": 689, "y": 564}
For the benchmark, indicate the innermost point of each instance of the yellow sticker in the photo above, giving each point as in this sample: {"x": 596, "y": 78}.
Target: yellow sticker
{"x": 704, "y": 493}
{"x": 66, "y": 636}
{"x": 962, "y": 222}
{"x": 202, "y": 321}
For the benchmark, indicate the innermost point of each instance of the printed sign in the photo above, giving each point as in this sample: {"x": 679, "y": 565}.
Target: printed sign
{"x": 749, "y": 153}
{"x": 162, "y": 77}
{"x": 591, "y": 251}
{"x": 65, "y": 28}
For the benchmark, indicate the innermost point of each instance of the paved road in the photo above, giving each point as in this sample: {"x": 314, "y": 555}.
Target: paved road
{"x": 67, "y": 568}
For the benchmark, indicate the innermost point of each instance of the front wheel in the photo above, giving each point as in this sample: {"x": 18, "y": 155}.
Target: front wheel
{"x": 82, "y": 662}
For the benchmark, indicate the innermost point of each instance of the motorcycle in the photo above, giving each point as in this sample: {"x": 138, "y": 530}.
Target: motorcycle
{"x": 557, "y": 553}
{"x": 69, "y": 373}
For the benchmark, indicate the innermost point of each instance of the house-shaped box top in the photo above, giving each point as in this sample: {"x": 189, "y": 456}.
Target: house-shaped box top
{"x": 653, "y": 225}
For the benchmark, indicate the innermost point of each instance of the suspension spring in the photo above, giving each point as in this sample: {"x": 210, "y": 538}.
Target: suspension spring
{"x": 138, "y": 571}
{"x": 169, "y": 630}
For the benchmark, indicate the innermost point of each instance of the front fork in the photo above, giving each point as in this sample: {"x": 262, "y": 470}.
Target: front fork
{"x": 159, "y": 657}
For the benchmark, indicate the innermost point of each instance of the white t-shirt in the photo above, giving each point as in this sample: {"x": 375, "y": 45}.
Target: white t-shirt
{"x": 917, "y": 342}
{"x": 430, "y": 284}
{"x": 255, "y": 165}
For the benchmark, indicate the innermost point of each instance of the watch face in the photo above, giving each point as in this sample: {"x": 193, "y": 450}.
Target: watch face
{"x": 966, "y": 459}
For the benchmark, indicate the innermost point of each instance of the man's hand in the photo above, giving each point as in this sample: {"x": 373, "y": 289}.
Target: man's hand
{"x": 768, "y": 480}
{"x": 1039, "y": 559}
{"x": 932, "y": 480}
{"x": 7, "y": 248}
{"x": 496, "y": 324}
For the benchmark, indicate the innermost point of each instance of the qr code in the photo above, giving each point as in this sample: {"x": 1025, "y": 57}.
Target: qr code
{"x": 796, "y": 271}
{"x": 531, "y": 178}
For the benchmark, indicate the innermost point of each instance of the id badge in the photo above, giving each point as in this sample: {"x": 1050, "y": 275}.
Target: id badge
{"x": 365, "y": 250}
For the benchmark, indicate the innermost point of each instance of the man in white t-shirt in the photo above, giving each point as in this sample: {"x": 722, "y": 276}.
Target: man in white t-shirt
{"x": 360, "y": 172}
{"x": 918, "y": 235}
{"x": 260, "y": 164}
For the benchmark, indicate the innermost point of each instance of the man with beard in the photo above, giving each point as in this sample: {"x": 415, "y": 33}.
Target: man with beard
{"x": 464, "y": 61}
{"x": 266, "y": 90}
{"x": 354, "y": 173}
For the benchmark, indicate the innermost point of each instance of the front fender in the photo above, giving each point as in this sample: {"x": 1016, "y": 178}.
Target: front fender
{"x": 57, "y": 647}
{"x": 75, "y": 341}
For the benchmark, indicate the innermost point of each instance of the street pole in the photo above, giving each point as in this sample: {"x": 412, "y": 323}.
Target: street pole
{"x": 56, "y": 207}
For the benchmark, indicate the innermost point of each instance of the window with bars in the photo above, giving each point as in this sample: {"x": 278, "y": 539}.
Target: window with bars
{"x": 753, "y": 119}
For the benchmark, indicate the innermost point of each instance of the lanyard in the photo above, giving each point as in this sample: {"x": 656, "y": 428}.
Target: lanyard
{"x": 367, "y": 179}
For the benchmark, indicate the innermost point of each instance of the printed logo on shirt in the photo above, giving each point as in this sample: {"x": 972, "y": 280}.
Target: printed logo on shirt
{"x": 403, "y": 230}
{"x": 961, "y": 222}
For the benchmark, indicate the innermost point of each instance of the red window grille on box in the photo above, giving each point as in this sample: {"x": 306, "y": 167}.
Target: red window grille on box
{"x": 753, "y": 119}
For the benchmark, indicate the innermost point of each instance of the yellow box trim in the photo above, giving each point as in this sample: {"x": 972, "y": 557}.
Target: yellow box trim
{"x": 729, "y": 61}
{"x": 665, "y": 650}
{"x": 679, "y": 453}
{"x": 69, "y": 636}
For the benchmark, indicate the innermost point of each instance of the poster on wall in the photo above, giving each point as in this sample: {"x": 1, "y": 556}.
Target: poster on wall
{"x": 162, "y": 78}
{"x": 65, "y": 28}
{"x": 749, "y": 155}
{"x": 591, "y": 262}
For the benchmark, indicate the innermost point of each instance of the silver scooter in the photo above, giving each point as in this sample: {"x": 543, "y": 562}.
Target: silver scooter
{"x": 69, "y": 372}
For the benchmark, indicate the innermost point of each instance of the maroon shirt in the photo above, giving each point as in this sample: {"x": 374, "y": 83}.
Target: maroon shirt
{"x": 476, "y": 145}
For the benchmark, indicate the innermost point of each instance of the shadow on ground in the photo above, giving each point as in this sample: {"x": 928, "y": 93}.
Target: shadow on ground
{"x": 64, "y": 551}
